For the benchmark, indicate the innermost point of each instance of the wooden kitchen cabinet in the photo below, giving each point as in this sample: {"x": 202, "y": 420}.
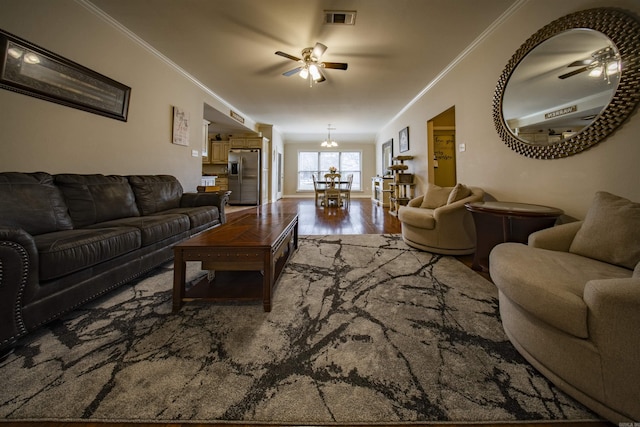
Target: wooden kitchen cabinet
{"x": 256, "y": 142}
{"x": 223, "y": 183}
{"x": 219, "y": 152}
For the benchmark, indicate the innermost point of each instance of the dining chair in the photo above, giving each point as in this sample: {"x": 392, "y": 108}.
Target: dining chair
{"x": 332, "y": 190}
{"x": 345, "y": 191}
{"x": 319, "y": 189}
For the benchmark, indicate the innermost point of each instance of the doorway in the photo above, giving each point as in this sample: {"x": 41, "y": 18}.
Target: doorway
{"x": 280, "y": 175}
{"x": 441, "y": 136}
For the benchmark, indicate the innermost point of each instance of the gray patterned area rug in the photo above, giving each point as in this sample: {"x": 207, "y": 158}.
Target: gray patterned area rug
{"x": 363, "y": 329}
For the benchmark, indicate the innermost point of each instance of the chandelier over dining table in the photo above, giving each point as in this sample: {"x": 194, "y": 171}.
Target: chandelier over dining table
{"x": 329, "y": 142}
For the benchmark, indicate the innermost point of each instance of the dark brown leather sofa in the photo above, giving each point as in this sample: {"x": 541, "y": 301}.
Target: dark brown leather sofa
{"x": 66, "y": 239}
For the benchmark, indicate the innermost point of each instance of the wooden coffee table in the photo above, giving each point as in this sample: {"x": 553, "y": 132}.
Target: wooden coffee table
{"x": 245, "y": 258}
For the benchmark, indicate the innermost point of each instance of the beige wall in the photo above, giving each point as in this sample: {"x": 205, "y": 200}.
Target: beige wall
{"x": 43, "y": 136}
{"x": 40, "y": 135}
{"x": 568, "y": 183}
{"x": 291, "y": 165}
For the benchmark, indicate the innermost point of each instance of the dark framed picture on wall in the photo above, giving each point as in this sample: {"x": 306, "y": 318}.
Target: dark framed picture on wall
{"x": 404, "y": 140}
{"x": 34, "y": 71}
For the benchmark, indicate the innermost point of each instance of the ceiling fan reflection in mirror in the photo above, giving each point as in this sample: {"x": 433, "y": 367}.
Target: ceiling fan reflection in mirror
{"x": 310, "y": 67}
{"x": 604, "y": 62}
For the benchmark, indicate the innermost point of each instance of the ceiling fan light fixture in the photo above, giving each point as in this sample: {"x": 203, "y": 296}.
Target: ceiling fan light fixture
{"x": 596, "y": 72}
{"x": 309, "y": 66}
{"x": 607, "y": 63}
{"x": 613, "y": 67}
{"x": 315, "y": 73}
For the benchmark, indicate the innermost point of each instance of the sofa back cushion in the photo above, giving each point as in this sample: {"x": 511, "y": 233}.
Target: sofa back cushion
{"x": 156, "y": 193}
{"x": 435, "y": 196}
{"x": 610, "y": 232}
{"x": 459, "y": 192}
{"x": 32, "y": 202}
{"x": 97, "y": 198}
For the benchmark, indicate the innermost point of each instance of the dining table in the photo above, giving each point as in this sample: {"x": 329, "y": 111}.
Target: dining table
{"x": 339, "y": 184}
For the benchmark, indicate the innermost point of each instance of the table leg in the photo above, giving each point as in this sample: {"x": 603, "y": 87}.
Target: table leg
{"x": 179, "y": 278}
{"x": 267, "y": 280}
{"x": 506, "y": 229}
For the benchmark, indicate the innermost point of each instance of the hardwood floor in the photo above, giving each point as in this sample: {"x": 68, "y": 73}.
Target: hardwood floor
{"x": 363, "y": 217}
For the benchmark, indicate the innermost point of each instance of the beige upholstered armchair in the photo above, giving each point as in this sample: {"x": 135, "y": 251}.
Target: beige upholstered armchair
{"x": 438, "y": 221}
{"x": 570, "y": 304}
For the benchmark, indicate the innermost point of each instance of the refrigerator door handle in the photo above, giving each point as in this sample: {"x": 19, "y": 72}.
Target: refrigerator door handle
{"x": 241, "y": 171}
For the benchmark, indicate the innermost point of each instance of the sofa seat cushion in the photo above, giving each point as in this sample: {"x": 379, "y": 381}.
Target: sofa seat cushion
{"x": 549, "y": 284}
{"x": 417, "y": 217}
{"x": 65, "y": 252}
{"x": 198, "y": 216}
{"x": 153, "y": 228}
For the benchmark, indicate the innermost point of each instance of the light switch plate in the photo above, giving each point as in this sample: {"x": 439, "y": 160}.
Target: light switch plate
{"x": 194, "y": 153}
{"x": 462, "y": 147}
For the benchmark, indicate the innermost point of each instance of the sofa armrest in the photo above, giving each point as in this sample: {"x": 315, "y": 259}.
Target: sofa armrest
{"x": 556, "y": 238}
{"x": 614, "y": 328}
{"x": 19, "y": 262}
{"x": 215, "y": 198}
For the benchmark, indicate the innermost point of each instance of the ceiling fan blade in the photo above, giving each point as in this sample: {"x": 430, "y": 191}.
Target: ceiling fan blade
{"x": 319, "y": 50}
{"x": 292, "y": 72}
{"x": 582, "y": 63}
{"x": 335, "y": 65}
{"x": 286, "y": 55}
{"x": 573, "y": 73}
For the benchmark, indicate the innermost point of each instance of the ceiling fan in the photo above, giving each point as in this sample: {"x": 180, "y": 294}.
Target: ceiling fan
{"x": 310, "y": 65}
{"x": 604, "y": 61}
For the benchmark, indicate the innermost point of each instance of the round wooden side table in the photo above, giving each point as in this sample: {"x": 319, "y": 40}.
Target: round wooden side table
{"x": 499, "y": 222}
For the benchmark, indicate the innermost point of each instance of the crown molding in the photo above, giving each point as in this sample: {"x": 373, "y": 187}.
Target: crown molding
{"x": 486, "y": 33}
{"x": 134, "y": 37}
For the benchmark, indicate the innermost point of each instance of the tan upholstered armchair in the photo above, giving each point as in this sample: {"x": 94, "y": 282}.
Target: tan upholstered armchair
{"x": 570, "y": 304}
{"x": 438, "y": 221}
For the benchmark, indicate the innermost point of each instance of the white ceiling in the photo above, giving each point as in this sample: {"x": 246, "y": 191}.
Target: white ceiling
{"x": 394, "y": 50}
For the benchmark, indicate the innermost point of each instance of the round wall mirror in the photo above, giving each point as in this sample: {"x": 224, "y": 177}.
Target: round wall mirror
{"x": 570, "y": 85}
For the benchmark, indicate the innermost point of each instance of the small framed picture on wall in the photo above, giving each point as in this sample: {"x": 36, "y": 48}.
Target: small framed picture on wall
{"x": 404, "y": 140}
{"x": 387, "y": 156}
{"x": 180, "y": 126}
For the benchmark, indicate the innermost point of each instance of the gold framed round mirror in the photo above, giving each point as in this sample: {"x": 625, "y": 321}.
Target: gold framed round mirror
{"x": 570, "y": 84}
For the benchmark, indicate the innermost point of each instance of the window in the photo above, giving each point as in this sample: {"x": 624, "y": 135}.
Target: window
{"x": 319, "y": 162}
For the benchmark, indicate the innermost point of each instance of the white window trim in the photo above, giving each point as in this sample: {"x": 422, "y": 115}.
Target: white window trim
{"x": 298, "y": 190}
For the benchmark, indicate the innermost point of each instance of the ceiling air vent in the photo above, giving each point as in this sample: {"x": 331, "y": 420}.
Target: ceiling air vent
{"x": 340, "y": 17}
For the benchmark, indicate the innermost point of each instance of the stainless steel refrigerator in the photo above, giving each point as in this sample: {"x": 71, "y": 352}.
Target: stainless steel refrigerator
{"x": 244, "y": 176}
